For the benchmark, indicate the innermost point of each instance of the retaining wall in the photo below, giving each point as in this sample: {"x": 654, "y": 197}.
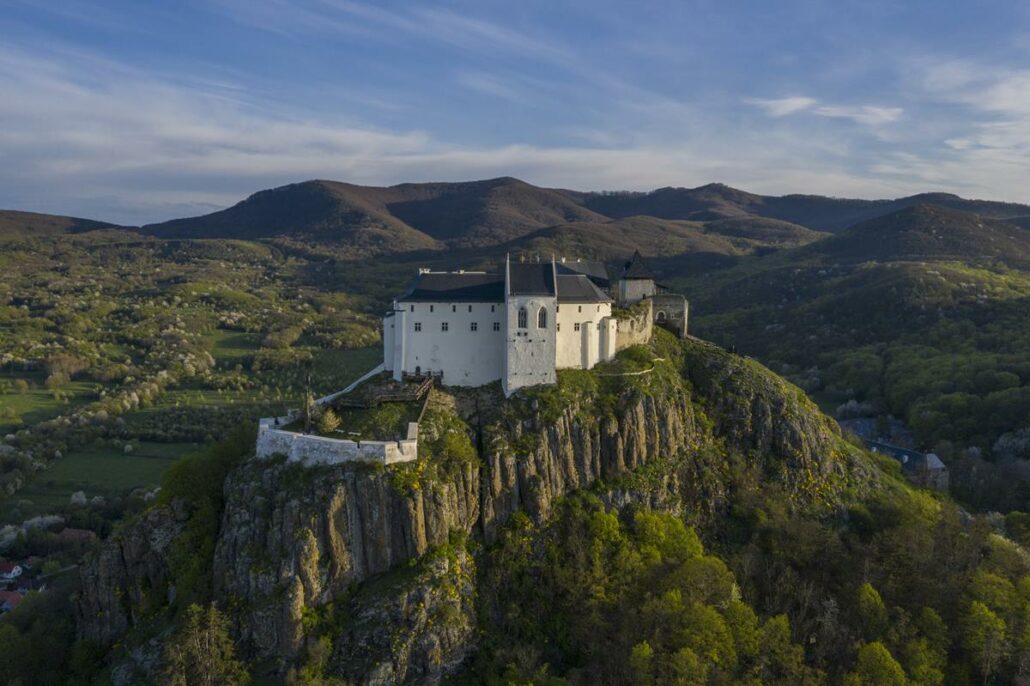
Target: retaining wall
{"x": 313, "y": 450}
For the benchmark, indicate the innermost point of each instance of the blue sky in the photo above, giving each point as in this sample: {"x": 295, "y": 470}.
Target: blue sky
{"x": 140, "y": 110}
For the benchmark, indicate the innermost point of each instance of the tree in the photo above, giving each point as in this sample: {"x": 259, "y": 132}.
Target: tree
{"x": 871, "y": 612}
{"x": 876, "y": 666}
{"x": 924, "y": 664}
{"x": 328, "y": 422}
{"x": 312, "y": 410}
{"x": 21, "y": 385}
{"x": 202, "y": 653}
{"x": 641, "y": 661}
{"x": 984, "y": 638}
{"x": 687, "y": 668}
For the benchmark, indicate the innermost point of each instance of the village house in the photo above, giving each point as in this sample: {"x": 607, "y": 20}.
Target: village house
{"x": 9, "y": 571}
{"x": 9, "y": 600}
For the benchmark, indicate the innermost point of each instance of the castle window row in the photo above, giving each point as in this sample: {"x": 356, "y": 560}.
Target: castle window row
{"x": 446, "y": 326}
{"x": 454, "y": 308}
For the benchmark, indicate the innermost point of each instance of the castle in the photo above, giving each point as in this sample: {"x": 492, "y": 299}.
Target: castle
{"x": 520, "y": 326}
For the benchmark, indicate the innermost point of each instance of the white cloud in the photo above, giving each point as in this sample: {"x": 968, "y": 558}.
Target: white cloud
{"x": 868, "y": 115}
{"x": 780, "y": 107}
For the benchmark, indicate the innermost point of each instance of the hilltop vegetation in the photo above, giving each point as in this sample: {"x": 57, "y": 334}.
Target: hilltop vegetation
{"x": 923, "y": 314}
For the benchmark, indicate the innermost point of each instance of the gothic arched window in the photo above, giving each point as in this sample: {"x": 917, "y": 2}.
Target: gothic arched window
{"x": 523, "y": 318}
{"x": 541, "y": 318}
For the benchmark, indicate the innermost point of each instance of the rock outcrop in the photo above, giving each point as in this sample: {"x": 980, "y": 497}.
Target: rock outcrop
{"x": 294, "y": 539}
{"x": 129, "y": 576}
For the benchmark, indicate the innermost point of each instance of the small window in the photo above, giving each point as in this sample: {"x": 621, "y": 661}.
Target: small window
{"x": 418, "y": 326}
{"x": 412, "y": 308}
{"x": 523, "y": 318}
{"x": 580, "y": 308}
{"x": 557, "y": 326}
{"x": 557, "y": 308}
{"x": 454, "y": 308}
{"x": 575, "y": 327}
{"x": 443, "y": 326}
{"x": 430, "y": 308}
{"x": 541, "y": 318}
{"x": 470, "y": 308}
{"x": 474, "y": 326}
{"x": 492, "y": 307}
{"x": 497, "y": 326}
{"x": 598, "y": 308}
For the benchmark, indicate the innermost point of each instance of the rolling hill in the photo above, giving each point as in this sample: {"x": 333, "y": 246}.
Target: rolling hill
{"x": 821, "y": 213}
{"x": 927, "y": 232}
{"x": 16, "y": 224}
{"x": 493, "y": 212}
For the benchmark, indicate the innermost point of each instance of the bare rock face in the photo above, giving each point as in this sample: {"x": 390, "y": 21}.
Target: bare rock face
{"x": 413, "y": 632}
{"x": 576, "y": 450}
{"x": 295, "y": 537}
{"x": 129, "y": 575}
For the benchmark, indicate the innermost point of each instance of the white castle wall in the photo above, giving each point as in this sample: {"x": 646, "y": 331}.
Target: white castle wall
{"x": 530, "y": 356}
{"x": 466, "y": 357}
{"x": 584, "y": 348}
{"x": 315, "y": 450}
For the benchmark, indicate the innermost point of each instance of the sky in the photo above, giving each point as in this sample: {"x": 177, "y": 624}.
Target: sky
{"x": 139, "y": 111}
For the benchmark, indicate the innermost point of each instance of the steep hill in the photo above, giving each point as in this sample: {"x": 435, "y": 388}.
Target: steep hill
{"x": 385, "y": 220}
{"x": 15, "y": 224}
{"x": 313, "y": 210}
{"x": 927, "y": 232}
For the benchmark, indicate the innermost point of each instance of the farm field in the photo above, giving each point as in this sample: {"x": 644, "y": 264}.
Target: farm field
{"x": 107, "y": 471}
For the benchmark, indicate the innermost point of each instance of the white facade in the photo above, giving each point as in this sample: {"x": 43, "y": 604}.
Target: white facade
{"x": 467, "y": 327}
{"x": 463, "y": 341}
{"x": 581, "y": 328}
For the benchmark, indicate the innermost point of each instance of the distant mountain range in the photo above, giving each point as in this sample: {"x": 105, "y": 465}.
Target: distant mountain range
{"x": 507, "y": 213}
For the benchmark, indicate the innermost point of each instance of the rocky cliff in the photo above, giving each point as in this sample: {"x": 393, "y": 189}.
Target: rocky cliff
{"x": 295, "y": 540}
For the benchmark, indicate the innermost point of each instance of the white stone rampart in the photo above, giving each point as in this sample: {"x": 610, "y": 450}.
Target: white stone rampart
{"x": 315, "y": 450}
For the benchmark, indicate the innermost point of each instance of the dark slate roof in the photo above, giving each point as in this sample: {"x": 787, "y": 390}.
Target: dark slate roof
{"x": 577, "y": 288}
{"x": 596, "y": 271}
{"x": 636, "y": 268}
{"x": 455, "y": 287}
{"x": 534, "y": 278}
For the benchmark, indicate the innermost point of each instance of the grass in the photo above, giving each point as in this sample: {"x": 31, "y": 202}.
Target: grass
{"x": 38, "y": 404}
{"x": 230, "y": 347}
{"x": 106, "y": 471}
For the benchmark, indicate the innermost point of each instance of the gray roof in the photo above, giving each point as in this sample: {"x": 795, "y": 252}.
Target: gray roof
{"x": 577, "y": 288}
{"x": 455, "y": 287}
{"x": 636, "y": 268}
{"x": 597, "y": 271}
{"x": 535, "y": 278}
